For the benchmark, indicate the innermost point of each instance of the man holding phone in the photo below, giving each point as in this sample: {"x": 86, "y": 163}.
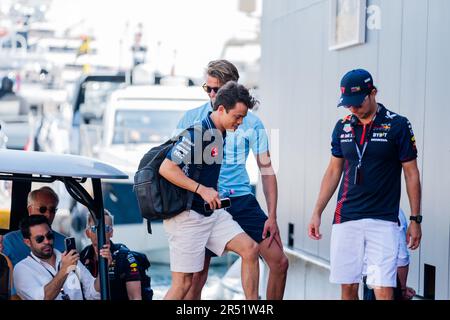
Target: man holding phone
{"x": 43, "y": 201}
{"x": 192, "y": 231}
{"x": 224, "y": 204}
{"x": 48, "y": 274}
{"x": 234, "y": 182}
{"x": 70, "y": 244}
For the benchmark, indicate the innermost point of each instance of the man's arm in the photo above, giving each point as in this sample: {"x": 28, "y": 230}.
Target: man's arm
{"x": 328, "y": 186}
{"x": 412, "y": 179}
{"x": 68, "y": 262}
{"x": 105, "y": 252}
{"x": 134, "y": 290}
{"x": 175, "y": 175}
{"x": 270, "y": 189}
{"x": 53, "y": 288}
{"x": 13, "y": 248}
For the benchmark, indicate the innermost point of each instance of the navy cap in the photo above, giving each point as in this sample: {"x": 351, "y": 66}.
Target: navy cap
{"x": 355, "y": 86}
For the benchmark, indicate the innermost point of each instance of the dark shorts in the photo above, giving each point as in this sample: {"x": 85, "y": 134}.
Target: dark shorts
{"x": 249, "y": 215}
{"x": 247, "y": 212}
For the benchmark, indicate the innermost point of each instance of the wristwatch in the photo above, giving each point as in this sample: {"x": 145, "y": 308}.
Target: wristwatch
{"x": 417, "y": 218}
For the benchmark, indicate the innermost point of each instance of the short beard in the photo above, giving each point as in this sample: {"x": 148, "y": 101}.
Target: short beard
{"x": 42, "y": 255}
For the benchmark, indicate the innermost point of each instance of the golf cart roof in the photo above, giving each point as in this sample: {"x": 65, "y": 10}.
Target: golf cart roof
{"x": 57, "y": 165}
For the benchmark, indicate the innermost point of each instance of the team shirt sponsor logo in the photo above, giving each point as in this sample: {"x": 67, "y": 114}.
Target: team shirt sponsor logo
{"x": 131, "y": 258}
{"x": 379, "y": 135}
{"x": 347, "y": 136}
{"x": 185, "y": 170}
{"x": 385, "y": 126}
{"x": 347, "y": 127}
{"x": 182, "y": 149}
{"x": 214, "y": 152}
{"x": 390, "y": 115}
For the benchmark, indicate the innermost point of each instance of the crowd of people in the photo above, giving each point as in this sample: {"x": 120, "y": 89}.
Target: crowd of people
{"x": 370, "y": 236}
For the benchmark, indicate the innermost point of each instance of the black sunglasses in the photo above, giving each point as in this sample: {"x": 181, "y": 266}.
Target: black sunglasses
{"x": 49, "y": 236}
{"x": 208, "y": 89}
{"x": 43, "y": 209}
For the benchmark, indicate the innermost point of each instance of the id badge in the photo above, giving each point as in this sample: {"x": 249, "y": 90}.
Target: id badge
{"x": 358, "y": 174}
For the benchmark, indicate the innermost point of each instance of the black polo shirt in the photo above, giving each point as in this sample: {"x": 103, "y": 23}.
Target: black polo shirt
{"x": 193, "y": 150}
{"x": 390, "y": 142}
{"x": 124, "y": 268}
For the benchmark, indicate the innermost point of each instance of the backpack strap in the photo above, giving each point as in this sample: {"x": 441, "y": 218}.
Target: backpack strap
{"x": 197, "y": 172}
{"x": 190, "y": 197}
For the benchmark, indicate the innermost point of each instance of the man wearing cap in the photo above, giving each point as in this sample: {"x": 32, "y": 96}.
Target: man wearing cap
{"x": 370, "y": 148}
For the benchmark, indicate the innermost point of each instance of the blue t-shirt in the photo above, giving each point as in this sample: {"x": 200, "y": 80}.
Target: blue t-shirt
{"x": 250, "y": 135}
{"x": 192, "y": 150}
{"x": 16, "y": 250}
{"x": 390, "y": 142}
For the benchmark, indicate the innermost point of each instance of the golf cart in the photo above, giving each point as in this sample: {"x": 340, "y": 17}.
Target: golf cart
{"x": 77, "y": 173}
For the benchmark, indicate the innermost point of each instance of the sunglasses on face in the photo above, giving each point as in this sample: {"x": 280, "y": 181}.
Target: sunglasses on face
{"x": 44, "y": 209}
{"x": 108, "y": 228}
{"x": 48, "y": 236}
{"x": 359, "y": 106}
{"x": 208, "y": 89}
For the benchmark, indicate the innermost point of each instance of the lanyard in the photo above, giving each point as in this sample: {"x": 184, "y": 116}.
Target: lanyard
{"x": 40, "y": 263}
{"x": 366, "y": 141}
{"x": 64, "y": 295}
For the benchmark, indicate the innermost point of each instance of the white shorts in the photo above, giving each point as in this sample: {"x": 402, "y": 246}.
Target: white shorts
{"x": 403, "y": 253}
{"x": 375, "y": 242}
{"x": 190, "y": 233}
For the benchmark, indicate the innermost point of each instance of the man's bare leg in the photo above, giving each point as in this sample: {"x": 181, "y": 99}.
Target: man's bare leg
{"x": 349, "y": 291}
{"x": 181, "y": 283}
{"x": 278, "y": 265}
{"x": 198, "y": 282}
{"x": 248, "y": 250}
{"x": 384, "y": 293}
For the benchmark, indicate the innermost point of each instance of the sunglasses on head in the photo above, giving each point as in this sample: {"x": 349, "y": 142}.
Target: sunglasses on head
{"x": 43, "y": 209}
{"x": 49, "y": 236}
{"x": 108, "y": 228}
{"x": 208, "y": 89}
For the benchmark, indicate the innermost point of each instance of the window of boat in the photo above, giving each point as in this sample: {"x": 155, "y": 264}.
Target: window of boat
{"x": 96, "y": 96}
{"x": 145, "y": 126}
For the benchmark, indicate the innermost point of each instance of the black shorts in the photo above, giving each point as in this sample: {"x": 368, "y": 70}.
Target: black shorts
{"x": 247, "y": 212}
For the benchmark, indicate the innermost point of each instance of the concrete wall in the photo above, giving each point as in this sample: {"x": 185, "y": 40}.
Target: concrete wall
{"x": 409, "y": 60}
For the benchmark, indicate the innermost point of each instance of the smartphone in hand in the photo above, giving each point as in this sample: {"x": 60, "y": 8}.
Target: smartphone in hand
{"x": 70, "y": 244}
{"x": 224, "y": 203}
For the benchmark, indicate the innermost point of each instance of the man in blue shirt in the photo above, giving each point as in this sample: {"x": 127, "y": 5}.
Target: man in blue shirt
{"x": 235, "y": 183}
{"x": 193, "y": 230}
{"x": 43, "y": 201}
{"x": 370, "y": 148}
